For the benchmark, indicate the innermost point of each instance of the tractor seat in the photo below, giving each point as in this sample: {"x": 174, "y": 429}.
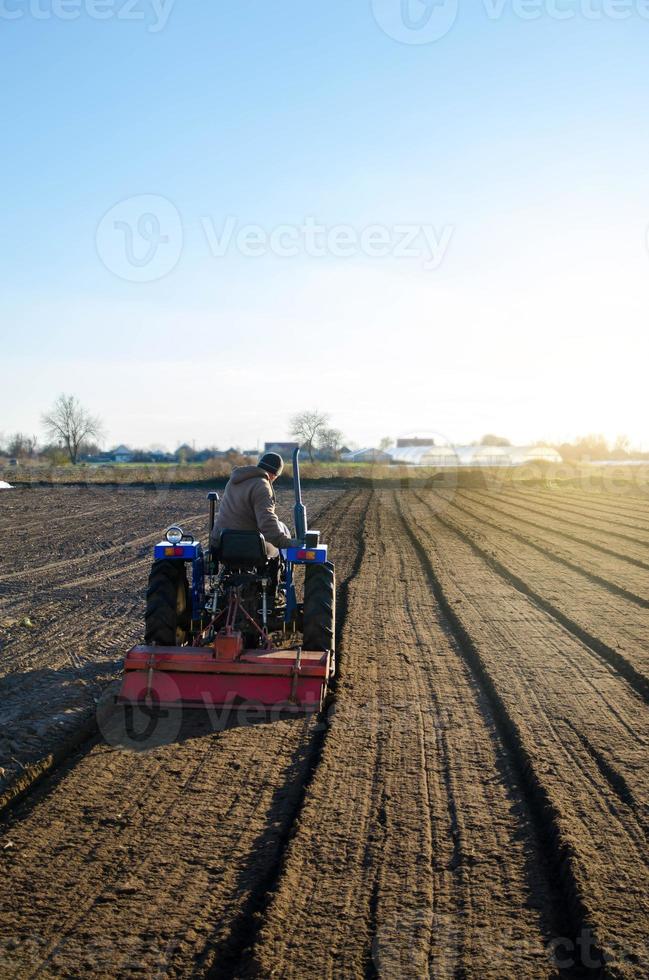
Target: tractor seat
{"x": 242, "y": 549}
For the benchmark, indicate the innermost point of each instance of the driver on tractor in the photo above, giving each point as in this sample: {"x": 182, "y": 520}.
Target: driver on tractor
{"x": 248, "y": 504}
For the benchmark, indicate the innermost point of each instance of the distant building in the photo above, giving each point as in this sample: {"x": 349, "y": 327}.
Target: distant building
{"x": 326, "y": 455}
{"x": 203, "y": 455}
{"x": 473, "y": 455}
{"x": 122, "y": 455}
{"x": 534, "y": 454}
{"x": 426, "y": 455}
{"x": 285, "y": 449}
{"x": 227, "y": 454}
{"x": 366, "y": 456}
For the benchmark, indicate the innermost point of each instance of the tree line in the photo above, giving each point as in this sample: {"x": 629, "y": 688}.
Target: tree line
{"x": 73, "y": 431}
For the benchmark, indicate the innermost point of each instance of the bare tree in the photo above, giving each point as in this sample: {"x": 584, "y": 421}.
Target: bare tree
{"x": 330, "y": 440}
{"x": 22, "y": 446}
{"x": 70, "y": 424}
{"x": 307, "y": 427}
{"x": 385, "y": 443}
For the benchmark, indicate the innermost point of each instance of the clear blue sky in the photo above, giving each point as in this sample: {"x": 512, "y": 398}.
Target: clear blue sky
{"x": 520, "y": 145}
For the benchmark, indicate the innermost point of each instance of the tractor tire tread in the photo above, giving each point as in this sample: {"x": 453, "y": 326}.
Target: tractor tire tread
{"x": 161, "y": 617}
{"x": 319, "y": 632}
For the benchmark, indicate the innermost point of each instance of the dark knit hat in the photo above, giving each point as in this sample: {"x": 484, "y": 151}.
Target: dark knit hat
{"x": 272, "y": 463}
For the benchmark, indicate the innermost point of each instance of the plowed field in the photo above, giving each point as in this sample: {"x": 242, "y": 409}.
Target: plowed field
{"x": 473, "y": 803}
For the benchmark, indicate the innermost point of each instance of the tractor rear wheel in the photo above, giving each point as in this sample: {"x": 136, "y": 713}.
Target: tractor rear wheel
{"x": 167, "y": 617}
{"x": 319, "y": 632}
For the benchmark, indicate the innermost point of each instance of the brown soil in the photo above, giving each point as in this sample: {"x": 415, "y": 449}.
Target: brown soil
{"x": 473, "y": 803}
{"x": 73, "y": 571}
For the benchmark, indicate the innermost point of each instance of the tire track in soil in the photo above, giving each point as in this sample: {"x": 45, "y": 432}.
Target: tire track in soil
{"x": 585, "y": 542}
{"x": 571, "y": 505}
{"x": 619, "y": 666}
{"x": 415, "y": 854}
{"x": 538, "y": 545}
{"x": 590, "y": 522}
{"x": 567, "y": 603}
{"x": 176, "y": 842}
{"x": 599, "y": 844}
{"x": 628, "y": 506}
{"x": 96, "y": 556}
{"x": 84, "y": 534}
{"x": 52, "y": 674}
{"x": 571, "y": 914}
{"x": 224, "y": 962}
{"x": 610, "y": 693}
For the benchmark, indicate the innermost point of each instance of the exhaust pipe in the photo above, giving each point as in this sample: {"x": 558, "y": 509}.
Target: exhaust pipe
{"x": 213, "y": 499}
{"x": 299, "y": 510}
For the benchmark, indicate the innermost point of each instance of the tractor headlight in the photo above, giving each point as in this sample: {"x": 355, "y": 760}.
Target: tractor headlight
{"x": 174, "y": 534}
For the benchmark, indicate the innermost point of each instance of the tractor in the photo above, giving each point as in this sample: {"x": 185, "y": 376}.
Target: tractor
{"x": 222, "y": 628}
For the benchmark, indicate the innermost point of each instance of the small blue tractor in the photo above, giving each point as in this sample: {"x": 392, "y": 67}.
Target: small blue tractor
{"x": 229, "y": 632}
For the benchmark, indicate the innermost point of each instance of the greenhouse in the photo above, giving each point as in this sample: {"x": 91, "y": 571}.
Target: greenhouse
{"x": 473, "y": 455}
